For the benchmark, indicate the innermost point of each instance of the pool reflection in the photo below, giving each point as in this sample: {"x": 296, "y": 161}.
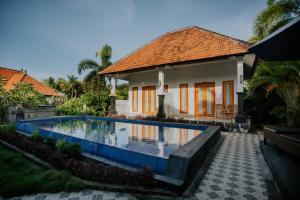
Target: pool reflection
{"x": 155, "y": 140}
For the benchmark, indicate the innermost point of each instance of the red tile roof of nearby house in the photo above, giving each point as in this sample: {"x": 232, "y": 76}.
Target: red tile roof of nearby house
{"x": 188, "y": 44}
{"x": 11, "y": 77}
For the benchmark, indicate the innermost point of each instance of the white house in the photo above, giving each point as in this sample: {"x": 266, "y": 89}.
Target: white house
{"x": 187, "y": 73}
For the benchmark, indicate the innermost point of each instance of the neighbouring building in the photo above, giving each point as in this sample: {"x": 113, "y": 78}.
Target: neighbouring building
{"x": 191, "y": 73}
{"x": 11, "y": 77}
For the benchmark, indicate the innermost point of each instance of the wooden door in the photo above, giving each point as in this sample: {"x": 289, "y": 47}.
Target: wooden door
{"x": 205, "y": 99}
{"x": 149, "y": 100}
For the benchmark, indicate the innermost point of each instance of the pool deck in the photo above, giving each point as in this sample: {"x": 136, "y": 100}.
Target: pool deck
{"x": 238, "y": 171}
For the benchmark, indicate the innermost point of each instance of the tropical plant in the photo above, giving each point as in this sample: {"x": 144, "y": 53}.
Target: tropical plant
{"x": 284, "y": 79}
{"x": 92, "y": 80}
{"x": 89, "y": 103}
{"x": 36, "y": 135}
{"x": 74, "y": 87}
{"x": 4, "y": 101}
{"x": 25, "y": 95}
{"x": 122, "y": 91}
{"x": 275, "y": 15}
{"x": 71, "y": 149}
{"x": 50, "y": 81}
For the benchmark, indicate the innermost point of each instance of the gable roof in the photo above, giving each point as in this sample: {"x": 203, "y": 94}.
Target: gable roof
{"x": 11, "y": 77}
{"x": 188, "y": 44}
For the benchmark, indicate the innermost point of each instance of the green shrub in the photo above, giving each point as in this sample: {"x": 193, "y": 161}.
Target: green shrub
{"x": 36, "y": 135}
{"x": 96, "y": 104}
{"x": 8, "y": 128}
{"x": 71, "y": 149}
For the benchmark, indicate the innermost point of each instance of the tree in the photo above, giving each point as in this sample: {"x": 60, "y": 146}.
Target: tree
{"x": 50, "y": 82}
{"x": 92, "y": 80}
{"x": 74, "y": 88}
{"x": 4, "y": 101}
{"x": 122, "y": 91}
{"x": 25, "y": 95}
{"x": 275, "y": 15}
{"x": 283, "y": 78}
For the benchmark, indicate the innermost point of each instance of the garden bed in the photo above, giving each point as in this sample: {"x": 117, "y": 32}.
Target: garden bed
{"x": 82, "y": 168}
{"x": 19, "y": 176}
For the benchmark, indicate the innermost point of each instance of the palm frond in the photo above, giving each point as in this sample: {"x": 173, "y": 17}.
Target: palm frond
{"x": 87, "y": 64}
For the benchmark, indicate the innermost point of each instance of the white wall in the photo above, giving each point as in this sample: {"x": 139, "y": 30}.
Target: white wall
{"x": 210, "y": 72}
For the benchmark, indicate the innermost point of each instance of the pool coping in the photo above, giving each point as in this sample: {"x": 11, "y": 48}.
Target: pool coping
{"x": 184, "y": 163}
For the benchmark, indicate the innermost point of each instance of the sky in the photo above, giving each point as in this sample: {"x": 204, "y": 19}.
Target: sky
{"x": 50, "y": 37}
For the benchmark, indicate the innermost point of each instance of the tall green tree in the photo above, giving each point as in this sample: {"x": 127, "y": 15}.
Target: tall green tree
{"x": 74, "y": 87}
{"x": 275, "y": 15}
{"x": 92, "y": 80}
{"x": 50, "y": 81}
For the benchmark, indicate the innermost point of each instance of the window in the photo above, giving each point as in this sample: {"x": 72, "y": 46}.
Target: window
{"x": 184, "y": 98}
{"x": 228, "y": 96}
{"x": 166, "y": 88}
{"x": 134, "y": 99}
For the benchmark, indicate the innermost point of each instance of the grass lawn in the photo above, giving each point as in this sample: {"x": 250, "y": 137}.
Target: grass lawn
{"x": 19, "y": 176}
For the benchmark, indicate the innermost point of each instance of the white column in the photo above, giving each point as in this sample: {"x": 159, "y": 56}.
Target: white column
{"x": 113, "y": 86}
{"x": 240, "y": 76}
{"x": 161, "y": 82}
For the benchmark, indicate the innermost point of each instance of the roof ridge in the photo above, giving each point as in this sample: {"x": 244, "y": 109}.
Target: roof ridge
{"x": 10, "y": 69}
{"x": 223, "y": 35}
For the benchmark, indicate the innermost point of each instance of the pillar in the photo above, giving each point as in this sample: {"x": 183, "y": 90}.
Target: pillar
{"x": 112, "y": 110}
{"x": 240, "y": 118}
{"x": 161, "y": 94}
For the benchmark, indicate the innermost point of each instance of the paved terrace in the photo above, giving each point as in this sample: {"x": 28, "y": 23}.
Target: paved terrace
{"x": 238, "y": 171}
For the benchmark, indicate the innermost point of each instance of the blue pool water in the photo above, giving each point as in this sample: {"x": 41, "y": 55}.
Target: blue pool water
{"x": 131, "y": 142}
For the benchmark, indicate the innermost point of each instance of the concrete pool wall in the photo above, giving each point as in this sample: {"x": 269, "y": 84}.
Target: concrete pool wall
{"x": 177, "y": 171}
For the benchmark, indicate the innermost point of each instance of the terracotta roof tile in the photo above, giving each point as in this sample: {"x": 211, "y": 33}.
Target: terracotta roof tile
{"x": 188, "y": 44}
{"x": 11, "y": 77}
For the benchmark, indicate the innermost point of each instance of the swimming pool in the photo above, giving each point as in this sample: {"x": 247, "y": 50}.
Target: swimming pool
{"x": 136, "y": 143}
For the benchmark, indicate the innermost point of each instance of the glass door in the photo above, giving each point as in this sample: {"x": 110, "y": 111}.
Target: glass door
{"x": 205, "y": 99}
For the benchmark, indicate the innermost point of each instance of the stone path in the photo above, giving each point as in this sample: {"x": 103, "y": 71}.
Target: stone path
{"x": 237, "y": 172}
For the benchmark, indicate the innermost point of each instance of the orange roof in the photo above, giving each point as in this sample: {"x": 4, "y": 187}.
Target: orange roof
{"x": 11, "y": 77}
{"x": 188, "y": 44}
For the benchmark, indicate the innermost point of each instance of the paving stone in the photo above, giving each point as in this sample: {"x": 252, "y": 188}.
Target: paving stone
{"x": 215, "y": 187}
{"x": 249, "y": 189}
{"x": 87, "y": 192}
{"x": 248, "y": 182}
{"x": 217, "y": 180}
{"x": 64, "y": 195}
{"x": 41, "y": 197}
{"x": 97, "y": 197}
{"x": 233, "y": 185}
{"x": 74, "y": 198}
{"x": 232, "y": 192}
{"x": 213, "y": 195}
{"x": 250, "y": 197}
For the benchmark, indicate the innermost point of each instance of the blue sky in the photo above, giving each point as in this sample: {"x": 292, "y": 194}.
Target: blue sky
{"x": 49, "y": 38}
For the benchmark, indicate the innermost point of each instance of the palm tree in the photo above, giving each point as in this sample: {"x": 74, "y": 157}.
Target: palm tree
{"x": 50, "y": 82}
{"x": 73, "y": 86}
{"x": 277, "y": 14}
{"x": 284, "y": 79}
{"x": 93, "y": 81}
